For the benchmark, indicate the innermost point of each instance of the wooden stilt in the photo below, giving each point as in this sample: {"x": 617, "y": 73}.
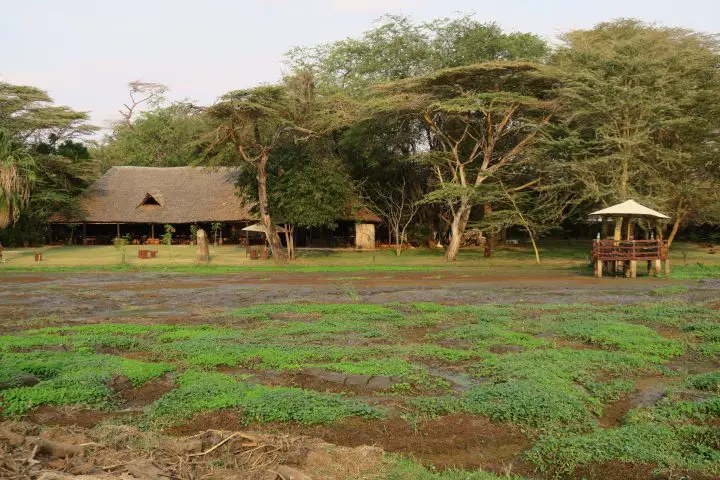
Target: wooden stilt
{"x": 84, "y": 234}
{"x": 617, "y": 236}
{"x": 152, "y": 231}
{"x": 118, "y": 229}
{"x": 657, "y": 267}
{"x": 599, "y": 269}
{"x": 633, "y": 268}
{"x": 667, "y": 266}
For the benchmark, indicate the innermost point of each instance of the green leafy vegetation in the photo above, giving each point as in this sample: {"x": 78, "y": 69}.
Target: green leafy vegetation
{"x": 546, "y": 389}
{"x": 669, "y": 290}
{"x": 553, "y": 370}
{"x": 705, "y": 381}
{"x": 688, "y": 447}
{"x": 695, "y": 271}
{"x": 402, "y": 469}
{"x": 204, "y": 391}
{"x": 69, "y": 379}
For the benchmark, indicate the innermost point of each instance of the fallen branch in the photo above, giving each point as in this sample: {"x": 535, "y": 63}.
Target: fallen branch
{"x": 217, "y": 445}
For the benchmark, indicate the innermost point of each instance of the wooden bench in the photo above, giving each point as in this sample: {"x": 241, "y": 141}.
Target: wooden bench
{"x": 256, "y": 252}
{"x": 145, "y": 254}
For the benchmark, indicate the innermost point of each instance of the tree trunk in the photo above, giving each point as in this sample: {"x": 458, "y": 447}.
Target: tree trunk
{"x": 398, "y": 240}
{"x": 457, "y": 229}
{"x": 287, "y": 241}
{"x": 278, "y": 252}
{"x": 675, "y": 228}
{"x": 490, "y": 238}
{"x": 534, "y": 245}
{"x": 292, "y": 241}
{"x": 605, "y": 228}
{"x": 618, "y": 228}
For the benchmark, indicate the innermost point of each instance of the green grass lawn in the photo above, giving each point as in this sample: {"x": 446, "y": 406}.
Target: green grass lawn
{"x": 688, "y": 261}
{"x": 551, "y": 370}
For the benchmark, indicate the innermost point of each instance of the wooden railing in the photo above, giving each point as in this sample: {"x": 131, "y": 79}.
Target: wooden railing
{"x": 624, "y": 250}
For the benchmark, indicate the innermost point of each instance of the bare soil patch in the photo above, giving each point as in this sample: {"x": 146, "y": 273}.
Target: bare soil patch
{"x": 453, "y": 441}
{"x": 64, "y": 416}
{"x": 133, "y": 398}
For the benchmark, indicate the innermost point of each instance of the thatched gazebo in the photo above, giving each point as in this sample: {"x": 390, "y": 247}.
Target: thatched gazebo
{"x": 623, "y": 251}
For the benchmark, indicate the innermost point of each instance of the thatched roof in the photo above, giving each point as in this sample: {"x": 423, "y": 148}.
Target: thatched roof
{"x": 362, "y": 214}
{"x": 172, "y": 195}
{"x": 164, "y": 195}
{"x": 629, "y": 208}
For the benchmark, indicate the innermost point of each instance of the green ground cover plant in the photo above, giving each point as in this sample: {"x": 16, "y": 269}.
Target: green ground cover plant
{"x": 687, "y": 447}
{"x": 669, "y": 290}
{"x": 546, "y": 389}
{"x": 705, "y": 381}
{"x": 709, "y": 335}
{"x": 200, "y": 391}
{"x": 674, "y": 314}
{"x": 695, "y": 271}
{"x": 69, "y": 379}
{"x": 402, "y": 469}
{"x": 567, "y": 364}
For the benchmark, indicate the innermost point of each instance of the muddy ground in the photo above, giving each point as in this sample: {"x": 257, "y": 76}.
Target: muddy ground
{"x": 456, "y": 441}
{"x": 96, "y": 296}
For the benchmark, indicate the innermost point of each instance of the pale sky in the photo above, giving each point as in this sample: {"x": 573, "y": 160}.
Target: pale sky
{"x": 83, "y": 52}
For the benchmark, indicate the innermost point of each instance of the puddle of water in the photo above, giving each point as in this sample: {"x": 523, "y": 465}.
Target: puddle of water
{"x": 458, "y": 381}
{"x": 648, "y": 391}
{"x": 693, "y": 367}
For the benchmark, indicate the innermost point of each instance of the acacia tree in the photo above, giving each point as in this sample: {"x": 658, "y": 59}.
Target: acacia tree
{"x": 398, "y": 48}
{"x": 60, "y": 165}
{"x": 169, "y": 136}
{"x": 479, "y": 120}
{"x": 16, "y": 179}
{"x": 142, "y": 92}
{"x": 252, "y": 122}
{"x": 639, "y": 118}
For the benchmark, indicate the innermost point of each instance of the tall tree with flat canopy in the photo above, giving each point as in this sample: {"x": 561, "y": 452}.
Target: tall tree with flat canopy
{"x": 480, "y": 120}
{"x": 252, "y": 122}
{"x": 48, "y": 180}
{"x": 639, "y": 118}
{"x": 29, "y": 115}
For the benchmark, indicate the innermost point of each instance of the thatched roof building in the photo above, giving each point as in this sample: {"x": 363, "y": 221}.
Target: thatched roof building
{"x": 164, "y": 195}
{"x": 133, "y": 200}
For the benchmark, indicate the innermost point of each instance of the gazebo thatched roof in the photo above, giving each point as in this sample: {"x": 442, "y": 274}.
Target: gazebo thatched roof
{"x": 163, "y": 195}
{"x": 629, "y": 208}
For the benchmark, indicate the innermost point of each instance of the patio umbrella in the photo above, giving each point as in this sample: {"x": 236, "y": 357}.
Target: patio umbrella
{"x": 259, "y": 227}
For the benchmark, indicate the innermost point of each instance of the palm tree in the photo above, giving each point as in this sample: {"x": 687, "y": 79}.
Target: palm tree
{"x": 17, "y": 178}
